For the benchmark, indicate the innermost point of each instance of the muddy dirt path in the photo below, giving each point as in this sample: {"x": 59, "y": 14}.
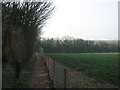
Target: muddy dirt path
{"x": 39, "y": 77}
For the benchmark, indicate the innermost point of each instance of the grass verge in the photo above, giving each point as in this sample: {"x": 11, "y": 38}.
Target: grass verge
{"x": 8, "y": 76}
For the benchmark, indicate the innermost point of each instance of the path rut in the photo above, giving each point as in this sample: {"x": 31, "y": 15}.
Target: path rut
{"x": 40, "y": 76}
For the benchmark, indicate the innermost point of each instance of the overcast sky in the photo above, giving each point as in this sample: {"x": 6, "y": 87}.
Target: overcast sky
{"x": 86, "y": 19}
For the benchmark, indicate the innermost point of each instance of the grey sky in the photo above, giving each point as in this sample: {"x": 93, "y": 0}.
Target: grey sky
{"x": 86, "y": 19}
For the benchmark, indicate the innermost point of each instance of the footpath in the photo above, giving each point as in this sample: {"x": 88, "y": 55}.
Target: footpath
{"x": 40, "y": 76}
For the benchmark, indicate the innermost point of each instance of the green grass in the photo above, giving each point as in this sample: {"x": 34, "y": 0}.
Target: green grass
{"x": 8, "y": 76}
{"x": 102, "y": 66}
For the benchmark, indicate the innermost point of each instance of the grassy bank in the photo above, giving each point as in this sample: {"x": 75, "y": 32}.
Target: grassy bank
{"x": 102, "y": 66}
{"x": 8, "y": 76}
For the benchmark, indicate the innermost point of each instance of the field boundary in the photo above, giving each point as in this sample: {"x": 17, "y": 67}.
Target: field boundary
{"x": 64, "y": 76}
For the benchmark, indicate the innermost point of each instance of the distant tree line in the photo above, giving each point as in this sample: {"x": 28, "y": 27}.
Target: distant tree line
{"x": 75, "y": 46}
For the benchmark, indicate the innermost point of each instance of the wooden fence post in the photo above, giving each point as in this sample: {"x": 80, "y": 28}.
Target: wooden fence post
{"x": 64, "y": 78}
{"x": 53, "y": 69}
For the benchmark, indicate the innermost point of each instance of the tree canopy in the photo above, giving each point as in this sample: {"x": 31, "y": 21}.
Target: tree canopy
{"x": 22, "y": 23}
{"x": 76, "y": 46}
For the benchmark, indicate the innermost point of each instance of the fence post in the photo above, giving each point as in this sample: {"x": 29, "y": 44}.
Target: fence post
{"x": 64, "y": 78}
{"x": 48, "y": 63}
{"x": 53, "y": 69}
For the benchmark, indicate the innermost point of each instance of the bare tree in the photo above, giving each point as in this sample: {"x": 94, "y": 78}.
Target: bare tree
{"x": 22, "y": 24}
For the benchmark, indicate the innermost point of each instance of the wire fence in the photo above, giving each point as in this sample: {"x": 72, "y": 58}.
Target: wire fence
{"x": 65, "y": 77}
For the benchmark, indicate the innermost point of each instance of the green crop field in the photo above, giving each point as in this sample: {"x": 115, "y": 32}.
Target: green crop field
{"x": 102, "y": 66}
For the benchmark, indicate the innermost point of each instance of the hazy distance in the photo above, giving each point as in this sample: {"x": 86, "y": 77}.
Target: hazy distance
{"x": 86, "y": 19}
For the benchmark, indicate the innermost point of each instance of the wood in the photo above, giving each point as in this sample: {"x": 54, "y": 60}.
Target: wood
{"x": 64, "y": 78}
